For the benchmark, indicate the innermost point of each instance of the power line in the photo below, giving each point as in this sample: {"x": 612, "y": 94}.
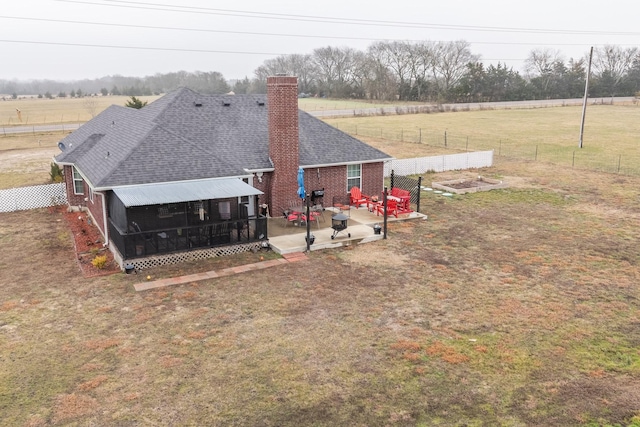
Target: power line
{"x": 336, "y": 20}
{"x": 141, "y": 48}
{"x": 153, "y": 27}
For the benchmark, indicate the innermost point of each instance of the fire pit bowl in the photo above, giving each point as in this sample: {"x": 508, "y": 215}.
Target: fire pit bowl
{"x": 339, "y": 224}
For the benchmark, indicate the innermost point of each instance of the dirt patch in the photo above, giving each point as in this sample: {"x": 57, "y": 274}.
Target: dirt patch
{"x": 372, "y": 257}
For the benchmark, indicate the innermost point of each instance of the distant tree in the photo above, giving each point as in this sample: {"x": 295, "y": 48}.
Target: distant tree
{"x": 242, "y": 86}
{"x": 62, "y": 95}
{"x": 611, "y": 65}
{"x": 104, "y": 91}
{"x": 79, "y": 93}
{"x": 14, "y": 95}
{"x": 135, "y": 103}
{"x": 73, "y": 93}
{"x": 39, "y": 96}
{"x": 115, "y": 91}
{"x": 48, "y": 95}
{"x": 91, "y": 106}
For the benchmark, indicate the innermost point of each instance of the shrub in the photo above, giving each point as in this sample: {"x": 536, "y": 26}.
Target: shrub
{"x": 55, "y": 173}
{"x": 99, "y": 261}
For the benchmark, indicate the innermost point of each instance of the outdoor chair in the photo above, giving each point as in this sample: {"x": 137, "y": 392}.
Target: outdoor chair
{"x": 341, "y": 203}
{"x": 357, "y": 199}
{"x": 392, "y": 208}
{"x": 318, "y": 210}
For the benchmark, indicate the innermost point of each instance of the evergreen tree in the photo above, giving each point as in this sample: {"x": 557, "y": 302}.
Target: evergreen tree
{"x": 135, "y": 103}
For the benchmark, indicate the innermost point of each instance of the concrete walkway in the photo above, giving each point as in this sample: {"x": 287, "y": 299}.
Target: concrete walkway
{"x": 181, "y": 280}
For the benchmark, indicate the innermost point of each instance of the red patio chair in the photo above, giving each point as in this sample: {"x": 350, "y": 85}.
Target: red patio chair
{"x": 357, "y": 199}
{"x": 392, "y": 208}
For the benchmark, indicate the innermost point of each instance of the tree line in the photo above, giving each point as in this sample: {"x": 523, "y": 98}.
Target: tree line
{"x": 408, "y": 71}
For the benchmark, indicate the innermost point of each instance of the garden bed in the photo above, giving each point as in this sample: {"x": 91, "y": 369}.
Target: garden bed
{"x": 462, "y": 186}
{"x": 89, "y": 244}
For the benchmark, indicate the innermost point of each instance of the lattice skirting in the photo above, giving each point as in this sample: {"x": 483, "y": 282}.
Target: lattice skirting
{"x": 33, "y": 197}
{"x": 178, "y": 257}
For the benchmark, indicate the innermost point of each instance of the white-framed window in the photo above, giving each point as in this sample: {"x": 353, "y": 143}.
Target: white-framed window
{"x": 78, "y": 182}
{"x": 91, "y": 194}
{"x": 354, "y": 176}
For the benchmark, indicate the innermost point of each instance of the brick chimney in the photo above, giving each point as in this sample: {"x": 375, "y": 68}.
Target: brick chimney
{"x": 282, "y": 104}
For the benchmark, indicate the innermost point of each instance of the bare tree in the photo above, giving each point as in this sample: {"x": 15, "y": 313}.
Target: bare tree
{"x": 540, "y": 61}
{"x": 614, "y": 61}
{"x": 421, "y": 56}
{"x": 449, "y": 63}
{"x": 334, "y": 69}
{"x": 91, "y": 106}
{"x": 297, "y": 65}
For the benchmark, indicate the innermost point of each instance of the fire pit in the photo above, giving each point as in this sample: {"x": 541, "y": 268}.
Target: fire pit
{"x": 339, "y": 224}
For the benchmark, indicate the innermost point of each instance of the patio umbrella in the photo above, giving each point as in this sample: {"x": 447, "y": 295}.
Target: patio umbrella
{"x": 301, "y": 190}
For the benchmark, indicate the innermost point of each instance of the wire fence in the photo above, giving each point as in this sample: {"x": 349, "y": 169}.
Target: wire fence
{"x": 618, "y": 163}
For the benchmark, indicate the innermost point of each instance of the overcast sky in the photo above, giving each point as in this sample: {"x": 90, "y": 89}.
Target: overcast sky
{"x": 76, "y": 39}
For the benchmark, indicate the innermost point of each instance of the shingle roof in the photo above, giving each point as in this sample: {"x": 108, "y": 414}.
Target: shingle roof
{"x": 172, "y": 139}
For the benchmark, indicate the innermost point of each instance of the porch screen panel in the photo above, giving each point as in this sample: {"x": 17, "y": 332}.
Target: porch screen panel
{"x": 117, "y": 212}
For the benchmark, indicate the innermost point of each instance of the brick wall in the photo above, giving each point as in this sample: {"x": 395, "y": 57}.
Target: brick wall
{"x": 95, "y": 209}
{"x": 72, "y": 198}
{"x": 334, "y": 181}
{"x": 282, "y": 104}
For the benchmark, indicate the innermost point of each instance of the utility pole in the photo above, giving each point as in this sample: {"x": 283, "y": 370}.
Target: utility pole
{"x": 586, "y": 93}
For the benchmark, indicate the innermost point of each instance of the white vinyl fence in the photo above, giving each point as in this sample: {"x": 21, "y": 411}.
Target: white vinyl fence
{"x": 448, "y": 162}
{"x": 37, "y": 196}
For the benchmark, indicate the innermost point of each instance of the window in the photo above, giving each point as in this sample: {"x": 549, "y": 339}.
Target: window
{"x": 245, "y": 199}
{"x": 354, "y": 173}
{"x": 78, "y": 182}
{"x": 91, "y": 194}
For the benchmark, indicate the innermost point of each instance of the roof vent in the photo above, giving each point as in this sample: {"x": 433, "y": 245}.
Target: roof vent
{"x": 260, "y": 103}
{"x": 198, "y": 103}
{"x": 226, "y": 103}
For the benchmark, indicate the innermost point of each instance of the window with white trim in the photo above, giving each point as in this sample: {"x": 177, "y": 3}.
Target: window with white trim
{"x": 91, "y": 194}
{"x": 354, "y": 176}
{"x": 78, "y": 182}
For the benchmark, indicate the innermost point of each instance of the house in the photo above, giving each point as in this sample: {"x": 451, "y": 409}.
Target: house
{"x": 188, "y": 172}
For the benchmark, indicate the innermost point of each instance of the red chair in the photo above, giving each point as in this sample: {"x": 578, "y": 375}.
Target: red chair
{"x": 392, "y": 208}
{"x": 357, "y": 199}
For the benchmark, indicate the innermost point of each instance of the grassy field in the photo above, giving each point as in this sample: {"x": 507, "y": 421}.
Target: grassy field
{"x": 321, "y": 104}
{"x": 514, "y": 307}
{"x": 34, "y": 111}
{"x": 610, "y": 143}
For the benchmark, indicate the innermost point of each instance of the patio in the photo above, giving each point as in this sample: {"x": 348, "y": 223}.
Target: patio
{"x": 287, "y": 238}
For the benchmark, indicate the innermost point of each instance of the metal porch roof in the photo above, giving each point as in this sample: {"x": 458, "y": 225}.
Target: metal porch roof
{"x": 176, "y": 192}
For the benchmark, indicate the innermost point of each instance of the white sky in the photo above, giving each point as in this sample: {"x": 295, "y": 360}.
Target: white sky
{"x": 37, "y": 47}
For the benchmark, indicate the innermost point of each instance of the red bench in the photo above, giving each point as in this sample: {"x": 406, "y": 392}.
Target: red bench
{"x": 404, "y": 196}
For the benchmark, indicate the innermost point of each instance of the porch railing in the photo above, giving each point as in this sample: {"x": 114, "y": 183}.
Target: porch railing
{"x": 168, "y": 240}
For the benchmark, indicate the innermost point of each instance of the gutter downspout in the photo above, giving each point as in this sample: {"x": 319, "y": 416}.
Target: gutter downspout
{"x": 104, "y": 218}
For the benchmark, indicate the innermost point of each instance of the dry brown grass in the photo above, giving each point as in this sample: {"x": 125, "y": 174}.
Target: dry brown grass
{"x": 511, "y": 307}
